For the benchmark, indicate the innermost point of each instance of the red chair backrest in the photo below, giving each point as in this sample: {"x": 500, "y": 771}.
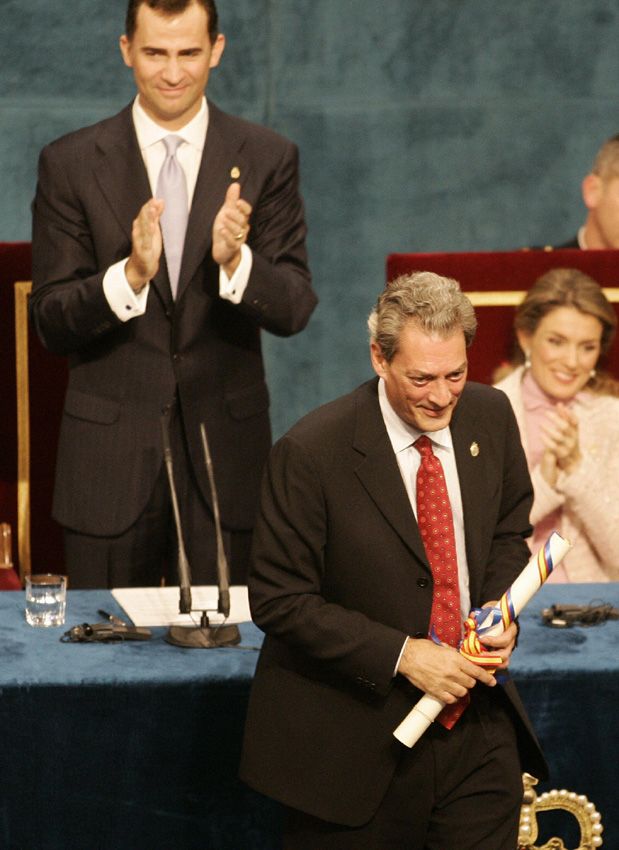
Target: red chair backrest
{"x": 504, "y": 272}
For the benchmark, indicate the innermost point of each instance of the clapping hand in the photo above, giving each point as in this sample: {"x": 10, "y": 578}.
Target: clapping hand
{"x": 561, "y": 443}
{"x": 146, "y": 245}
{"x": 230, "y": 229}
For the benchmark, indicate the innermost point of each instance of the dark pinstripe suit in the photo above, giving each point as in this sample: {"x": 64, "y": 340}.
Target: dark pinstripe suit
{"x": 200, "y": 348}
{"x": 339, "y": 579}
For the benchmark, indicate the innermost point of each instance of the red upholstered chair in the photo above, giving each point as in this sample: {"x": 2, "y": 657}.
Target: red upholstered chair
{"x": 496, "y": 282}
{"x": 27, "y": 482}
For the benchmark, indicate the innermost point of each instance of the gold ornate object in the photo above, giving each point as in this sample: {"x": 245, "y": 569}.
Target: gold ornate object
{"x": 578, "y": 805}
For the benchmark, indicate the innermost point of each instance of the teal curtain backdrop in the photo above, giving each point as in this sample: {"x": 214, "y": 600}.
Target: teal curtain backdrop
{"x": 424, "y": 125}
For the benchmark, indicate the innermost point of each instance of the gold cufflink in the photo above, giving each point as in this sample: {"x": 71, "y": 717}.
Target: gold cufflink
{"x": 474, "y": 449}
{"x": 235, "y": 172}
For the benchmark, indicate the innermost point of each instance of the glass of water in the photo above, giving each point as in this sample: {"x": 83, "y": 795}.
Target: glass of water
{"x": 46, "y": 599}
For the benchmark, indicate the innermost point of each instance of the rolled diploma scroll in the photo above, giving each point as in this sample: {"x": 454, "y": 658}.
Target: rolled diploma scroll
{"x": 495, "y": 622}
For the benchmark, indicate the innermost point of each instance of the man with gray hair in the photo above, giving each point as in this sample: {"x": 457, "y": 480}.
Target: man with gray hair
{"x": 600, "y": 193}
{"x": 385, "y": 516}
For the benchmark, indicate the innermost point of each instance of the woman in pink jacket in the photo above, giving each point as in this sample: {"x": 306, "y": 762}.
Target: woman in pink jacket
{"x": 568, "y": 414}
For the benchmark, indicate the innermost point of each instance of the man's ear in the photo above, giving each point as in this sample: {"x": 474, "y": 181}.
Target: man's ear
{"x": 378, "y": 359}
{"x": 125, "y": 49}
{"x": 217, "y": 50}
{"x": 592, "y": 187}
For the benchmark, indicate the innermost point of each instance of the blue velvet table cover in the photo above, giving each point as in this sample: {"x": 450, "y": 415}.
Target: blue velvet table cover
{"x": 136, "y": 745}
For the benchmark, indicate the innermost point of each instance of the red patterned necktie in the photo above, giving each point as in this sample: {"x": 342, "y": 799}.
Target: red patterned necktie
{"x": 435, "y": 522}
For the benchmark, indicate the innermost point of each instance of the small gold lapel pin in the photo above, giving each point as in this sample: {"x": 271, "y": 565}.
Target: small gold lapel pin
{"x": 474, "y": 449}
{"x": 235, "y": 172}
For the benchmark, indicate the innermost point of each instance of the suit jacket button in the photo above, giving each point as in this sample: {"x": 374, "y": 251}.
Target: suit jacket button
{"x": 422, "y": 582}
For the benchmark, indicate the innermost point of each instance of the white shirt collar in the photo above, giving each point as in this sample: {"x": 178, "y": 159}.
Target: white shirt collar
{"x": 149, "y": 132}
{"x": 400, "y": 433}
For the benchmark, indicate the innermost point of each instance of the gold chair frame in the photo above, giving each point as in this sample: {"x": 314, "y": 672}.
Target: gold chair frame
{"x": 22, "y": 291}
{"x": 513, "y": 297}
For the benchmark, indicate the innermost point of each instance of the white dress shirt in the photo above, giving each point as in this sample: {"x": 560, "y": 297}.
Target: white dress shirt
{"x": 125, "y": 303}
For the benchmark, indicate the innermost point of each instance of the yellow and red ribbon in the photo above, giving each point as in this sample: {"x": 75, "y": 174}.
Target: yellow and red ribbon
{"x": 473, "y": 649}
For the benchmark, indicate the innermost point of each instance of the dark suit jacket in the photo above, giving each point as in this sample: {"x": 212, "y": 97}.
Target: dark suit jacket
{"x": 91, "y": 186}
{"x": 340, "y": 578}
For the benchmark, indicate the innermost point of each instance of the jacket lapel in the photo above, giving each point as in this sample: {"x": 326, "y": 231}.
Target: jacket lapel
{"x": 120, "y": 171}
{"x": 379, "y": 472}
{"x": 472, "y": 456}
{"x": 220, "y": 155}
{"x": 121, "y": 175}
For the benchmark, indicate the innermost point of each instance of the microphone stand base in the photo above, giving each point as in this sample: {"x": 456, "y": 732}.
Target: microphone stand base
{"x": 203, "y": 637}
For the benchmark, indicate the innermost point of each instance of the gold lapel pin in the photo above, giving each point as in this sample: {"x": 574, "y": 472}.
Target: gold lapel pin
{"x": 235, "y": 172}
{"x": 474, "y": 449}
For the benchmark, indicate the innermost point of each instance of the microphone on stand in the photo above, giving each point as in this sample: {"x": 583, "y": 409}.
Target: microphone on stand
{"x": 203, "y": 636}
{"x": 184, "y": 573}
{"x": 223, "y": 572}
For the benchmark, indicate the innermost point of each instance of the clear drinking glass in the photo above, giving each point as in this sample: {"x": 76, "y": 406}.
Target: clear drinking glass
{"x": 46, "y": 599}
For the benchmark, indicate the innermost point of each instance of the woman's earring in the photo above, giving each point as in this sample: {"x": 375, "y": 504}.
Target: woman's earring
{"x": 592, "y": 374}
{"x": 527, "y": 360}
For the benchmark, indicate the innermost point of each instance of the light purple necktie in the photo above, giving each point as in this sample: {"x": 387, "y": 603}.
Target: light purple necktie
{"x": 172, "y": 188}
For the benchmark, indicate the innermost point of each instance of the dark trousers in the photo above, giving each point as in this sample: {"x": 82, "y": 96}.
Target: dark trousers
{"x": 455, "y": 790}
{"x": 146, "y": 554}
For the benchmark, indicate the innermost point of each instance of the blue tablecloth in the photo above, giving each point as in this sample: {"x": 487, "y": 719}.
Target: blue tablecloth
{"x": 569, "y": 682}
{"x": 136, "y": 745}
{"x": 130, "y": 746}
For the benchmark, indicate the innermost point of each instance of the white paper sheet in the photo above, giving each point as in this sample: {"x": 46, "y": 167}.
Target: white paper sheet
{"x": 158, "y": 606}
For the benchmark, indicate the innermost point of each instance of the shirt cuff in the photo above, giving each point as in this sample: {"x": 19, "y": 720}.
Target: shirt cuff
{"x": 395, "y": 672}
{"x": 233, "y": 288}
{"x": 123, "y": 301}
